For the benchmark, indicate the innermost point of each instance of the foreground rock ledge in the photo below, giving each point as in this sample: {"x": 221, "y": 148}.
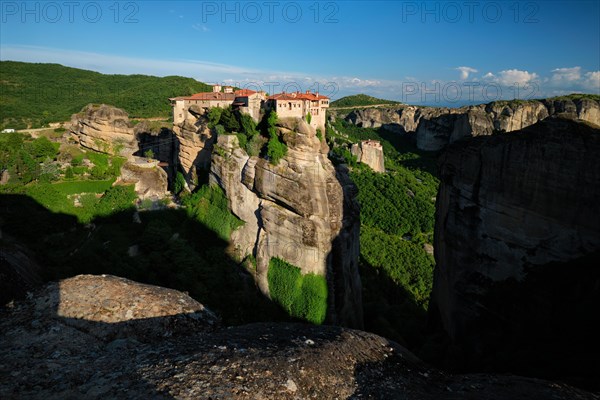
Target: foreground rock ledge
{"x": 44, "y": 355}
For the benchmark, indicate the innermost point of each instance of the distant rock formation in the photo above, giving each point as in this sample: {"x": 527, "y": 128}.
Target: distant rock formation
{"x": 108, "y": 337}
{"x": 150, "y": 180}
{"x": 517, "y": 248}
{"x": 302, "y": 211}
{"x": 105, "y": 129}
{"x": 436, "y": 127}
{"x": 369, "y": 152}
{"x": 194, "y": 141}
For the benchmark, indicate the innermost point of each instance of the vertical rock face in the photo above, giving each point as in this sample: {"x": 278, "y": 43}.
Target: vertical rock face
{"x": 301, "y": 210}
{"x": 105, "y": 129}
{"x": 162, "y": 142}
{"x": 194, "y": 141}
{"x": 517, "y": 245}
{"x": 369, "y": 152}
{"x": 150, "y": 180}
{"x": 436, "y": 127}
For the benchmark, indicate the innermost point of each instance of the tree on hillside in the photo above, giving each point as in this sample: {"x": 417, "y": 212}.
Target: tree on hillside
{"x": 229, "y": 120}
{"x": 275, "y": 149}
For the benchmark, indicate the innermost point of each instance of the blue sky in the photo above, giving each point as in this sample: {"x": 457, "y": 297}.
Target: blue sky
{"x": 439, "y": 53}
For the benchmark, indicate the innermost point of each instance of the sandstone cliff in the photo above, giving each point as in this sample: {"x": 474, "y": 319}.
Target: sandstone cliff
{"x": 194, "y": 141}
{"x": 150, "y": 180}
{"x": 301, "y": 210}
{"x": 105, "y": 129}
{"x": 436, "y": 127}
{"x": 517, "y": 245}
{"x": 369, "y": 152}
{"x": 107, "y": 337}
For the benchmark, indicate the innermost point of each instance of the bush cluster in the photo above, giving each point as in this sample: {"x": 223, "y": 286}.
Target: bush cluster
{"x": 301, "y": 296}
{"x": 208, "y": 205}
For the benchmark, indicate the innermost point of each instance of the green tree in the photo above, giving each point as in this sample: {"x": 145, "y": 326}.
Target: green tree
{"x": 149, "y": 154}
{"x": 229, "y": 120}
{"x": 276, "y": 150}
{"x": 42, "y": 148}
{"x": 69, "y": 173}
{"x": 179, "y": 183}
{"x": 214, "y": 116}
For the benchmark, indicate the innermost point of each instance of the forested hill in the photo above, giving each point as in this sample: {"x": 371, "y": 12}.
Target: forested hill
{"x": 358, "y": 100}
{"x": 35, "y": 94}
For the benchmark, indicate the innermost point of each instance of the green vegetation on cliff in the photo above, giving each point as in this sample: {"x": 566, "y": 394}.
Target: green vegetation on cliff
{"x": 32, "y": 95}
{"x": 397, "y": 216}
{"x": 226, "y": 121}
{"x": 276, "y": 150}
{"x": 577, "y": 96}
{"x": 359, "y": 100}
{"x": 208, "y": 205}
{"x": 301, "y": 296}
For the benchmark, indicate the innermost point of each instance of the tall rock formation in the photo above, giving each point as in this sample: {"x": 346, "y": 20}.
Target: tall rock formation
{"x": 517, "y": 248}
{"x": 151, "y": 181}
{"x": 105, "y": 129}
{"x": 301, "y": 210}
{"x": 436, "y": 127}
{"x": 369, "y": 152}
{"x": 194, "y": 142}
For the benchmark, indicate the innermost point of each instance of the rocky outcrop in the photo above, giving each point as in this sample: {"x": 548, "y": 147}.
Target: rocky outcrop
{"x": 297, "y": 211}
{"x": 517, "y": 248}
{"x": 149, "y": 179}
{"x": 403, "y": 119}
{"x": 107, "y": 337}
{"x": 435, "y": 127}
{"x": 161, "y": 141}
{"x": 105, "y": 129}
{"x": 369, "y": 152}
{"x": 193, "y": 142}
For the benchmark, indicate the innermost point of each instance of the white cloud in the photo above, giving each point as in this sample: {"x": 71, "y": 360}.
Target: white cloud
{"x": 357, "y": 82}
{"x": 106, "y": 63}
{"x": 515, "y": 76}
{"x": 566, "y": 75}
{"x": 489, "y": 75}
{"x": 592, "y": 81}
{"x": 200, "y": 28}
{"x": 465, "y": 71}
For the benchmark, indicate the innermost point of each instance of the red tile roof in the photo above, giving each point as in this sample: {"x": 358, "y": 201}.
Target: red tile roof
{"x": 297, "y": 96}
{"x": 244, "y": 93}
